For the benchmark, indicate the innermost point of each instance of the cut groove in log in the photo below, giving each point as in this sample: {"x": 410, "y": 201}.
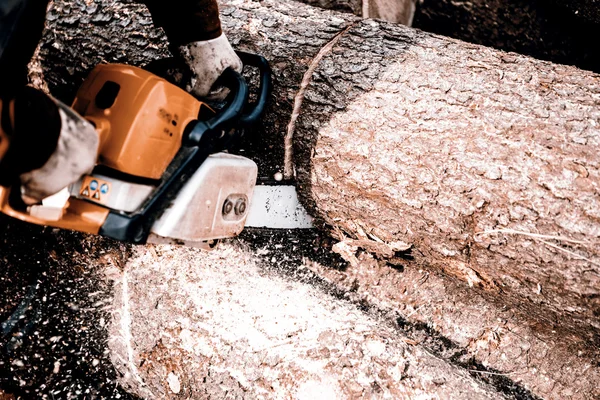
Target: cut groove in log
{"x": 288, "y": 145}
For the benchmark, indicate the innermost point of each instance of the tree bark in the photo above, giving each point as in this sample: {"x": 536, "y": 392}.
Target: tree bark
{"x": 483, "y": 162}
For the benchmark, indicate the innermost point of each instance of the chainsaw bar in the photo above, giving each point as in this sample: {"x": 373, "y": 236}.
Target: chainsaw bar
{"x": 277, "y": 207}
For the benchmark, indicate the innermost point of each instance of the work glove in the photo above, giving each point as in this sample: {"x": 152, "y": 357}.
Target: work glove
{"x": 46, "y": 145}
{"x": 75, "y": 155}
{"x": 207, "y": 60}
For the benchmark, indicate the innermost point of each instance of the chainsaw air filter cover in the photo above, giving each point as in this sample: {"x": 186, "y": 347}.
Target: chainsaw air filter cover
{"x": 140, "y": 117}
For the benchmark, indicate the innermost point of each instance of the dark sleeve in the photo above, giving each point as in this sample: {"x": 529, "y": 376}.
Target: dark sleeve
{"x": 186, "y": 21}
{"x": 34, "y": 126}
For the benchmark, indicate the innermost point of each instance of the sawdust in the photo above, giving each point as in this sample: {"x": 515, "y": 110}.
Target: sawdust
{"x": 218, "y": 324}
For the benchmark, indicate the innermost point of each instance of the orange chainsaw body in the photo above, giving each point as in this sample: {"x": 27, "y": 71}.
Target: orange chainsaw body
{"x": 140, "y": 119}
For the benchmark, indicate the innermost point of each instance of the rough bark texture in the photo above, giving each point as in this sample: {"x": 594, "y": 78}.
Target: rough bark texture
{"x": 403, "y": 137}
{"x": 513, "y": 338}
{"x": 463, "y": 152}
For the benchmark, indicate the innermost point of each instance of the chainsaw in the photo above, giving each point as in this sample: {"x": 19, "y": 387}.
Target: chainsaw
{"x": 162, "y": 173}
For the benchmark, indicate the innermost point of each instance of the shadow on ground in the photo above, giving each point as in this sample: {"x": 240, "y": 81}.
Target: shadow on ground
{"x": 53, "y": 309}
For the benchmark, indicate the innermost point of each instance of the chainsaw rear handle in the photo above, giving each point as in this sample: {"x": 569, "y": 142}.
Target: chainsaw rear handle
{"x": 221, "y": 130}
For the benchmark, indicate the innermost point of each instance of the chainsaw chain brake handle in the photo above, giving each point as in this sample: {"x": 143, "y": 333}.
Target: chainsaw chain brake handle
{"x": 264, "y": 89}
{"x": 227, "y": 125}
{"x": 203, "y": 138}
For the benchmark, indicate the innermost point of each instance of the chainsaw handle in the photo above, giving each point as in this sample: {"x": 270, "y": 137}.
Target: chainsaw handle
{"x": 264, "y": 89}
{"x": 211, "y": 132}
{"x": 214, "y": 132}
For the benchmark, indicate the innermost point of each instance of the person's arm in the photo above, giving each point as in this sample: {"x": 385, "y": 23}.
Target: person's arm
{"x": 44, "y": 146}
{"x": 194, "y": 31}
{"x": 21, "y": 26}
{"x": 48, "y": 145}
{"x": 186, "y": 21}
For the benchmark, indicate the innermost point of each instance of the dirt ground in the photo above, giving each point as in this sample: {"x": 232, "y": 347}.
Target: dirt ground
{"x": 56, "y": 344}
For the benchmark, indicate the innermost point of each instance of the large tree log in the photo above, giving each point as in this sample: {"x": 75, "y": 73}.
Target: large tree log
{"x": 220, "y": 324}
{"x": 434, "y": 86}
{"x": 485, "y": 162}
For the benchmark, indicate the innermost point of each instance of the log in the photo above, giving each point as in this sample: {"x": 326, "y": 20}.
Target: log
{"x": 441, "y": 109}
{"x": 468, "y": 155}
{"x": 519, "y": 343}
{"x": 223, "y": 324}
{"x": 484, "y": 162}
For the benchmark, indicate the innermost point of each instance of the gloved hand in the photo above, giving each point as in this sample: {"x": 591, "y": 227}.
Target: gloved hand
{"x": 207, "y": 60}
{"x": 75, "y": 155}
{"x": 48, "y": 145}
